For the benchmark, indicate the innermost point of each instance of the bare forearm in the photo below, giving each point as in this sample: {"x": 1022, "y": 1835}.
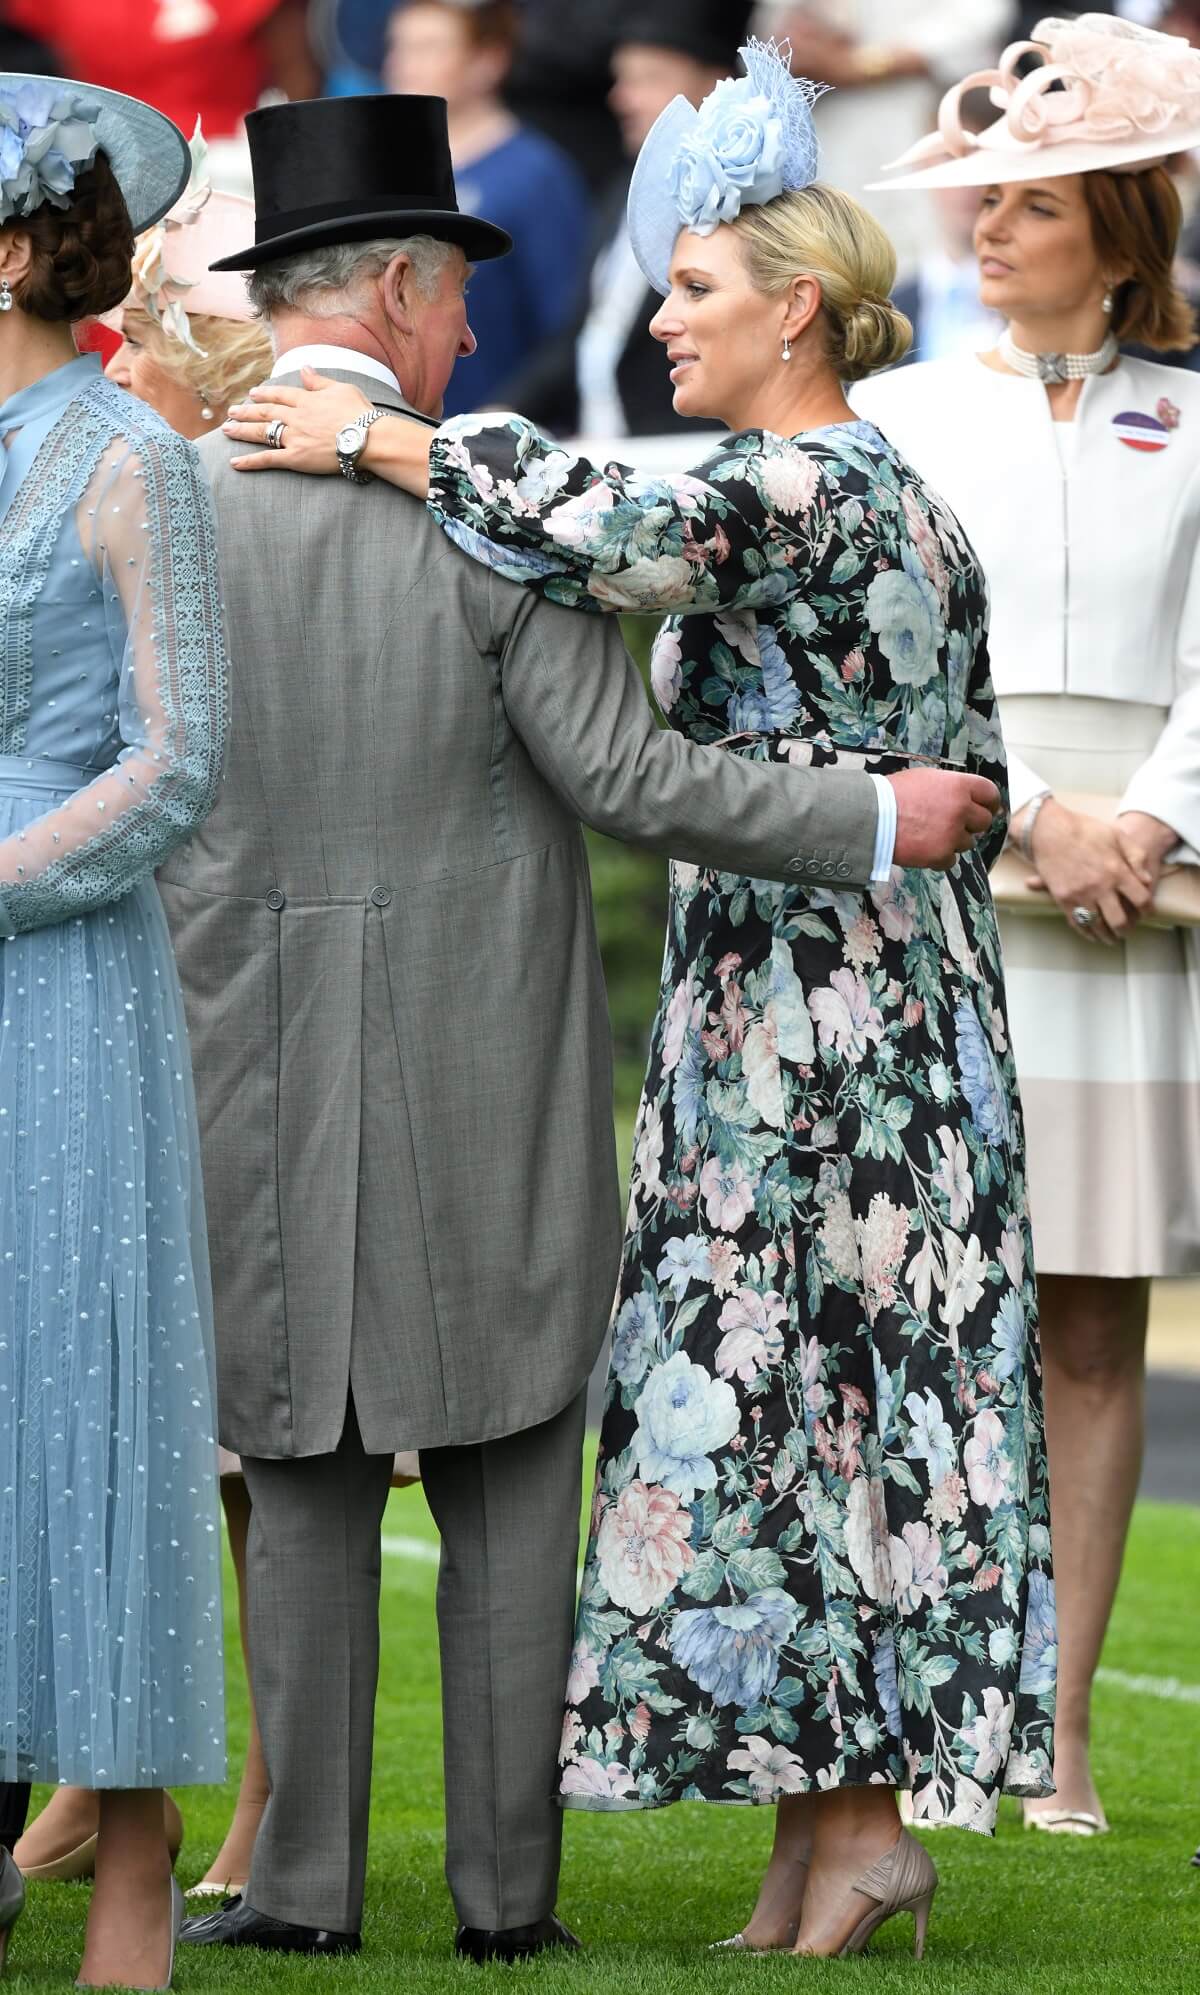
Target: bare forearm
{"x": 398, "y": 451}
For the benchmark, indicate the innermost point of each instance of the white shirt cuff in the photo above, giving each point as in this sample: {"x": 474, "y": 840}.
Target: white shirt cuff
{"x": 885, "y": 830}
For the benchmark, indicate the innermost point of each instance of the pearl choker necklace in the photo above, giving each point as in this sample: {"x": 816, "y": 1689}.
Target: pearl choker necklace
{"x": 1055, "y": 367}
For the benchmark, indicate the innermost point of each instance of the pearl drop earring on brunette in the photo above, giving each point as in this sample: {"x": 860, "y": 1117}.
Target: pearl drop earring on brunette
{"x": 6, "y": 296}
{"x": 1107, "y": 304}
{"x": 787, "y": 349}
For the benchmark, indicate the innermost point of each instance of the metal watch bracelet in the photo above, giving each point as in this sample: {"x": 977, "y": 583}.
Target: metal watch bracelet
{"x": 349, "y": 466}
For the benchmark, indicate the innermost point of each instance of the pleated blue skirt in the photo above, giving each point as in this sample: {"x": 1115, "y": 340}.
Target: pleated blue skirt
{"x": 110, "y": 1566}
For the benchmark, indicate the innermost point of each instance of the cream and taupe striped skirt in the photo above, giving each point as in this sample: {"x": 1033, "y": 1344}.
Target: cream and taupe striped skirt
{"x": 1107, "y": 1042}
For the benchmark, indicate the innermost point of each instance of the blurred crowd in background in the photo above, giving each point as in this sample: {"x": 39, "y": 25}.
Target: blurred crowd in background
{"x": 549, "y": 102}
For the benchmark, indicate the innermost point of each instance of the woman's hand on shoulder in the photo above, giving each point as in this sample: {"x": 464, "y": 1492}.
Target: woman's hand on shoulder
{"x": 310, "y": 417}
{"x": 1083, "y": 863}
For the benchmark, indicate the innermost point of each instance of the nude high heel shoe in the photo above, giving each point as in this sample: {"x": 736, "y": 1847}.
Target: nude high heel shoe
{"x": 12, "y": 1901}
{"x": 740, "y": 1944}
{"x": 178, "y": 1909}
{"x": 902, "y": 1881}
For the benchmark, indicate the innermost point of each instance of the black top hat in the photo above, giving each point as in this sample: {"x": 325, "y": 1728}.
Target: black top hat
{"x": 710, "y": 31}
{"x": 347, "y": 169}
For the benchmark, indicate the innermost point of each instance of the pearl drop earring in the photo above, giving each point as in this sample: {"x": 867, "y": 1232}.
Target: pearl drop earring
{"x": 787, "y": 349}
{"x": 206, "y": 414}
{"x": 1108, "y": 303}
{"x": 6, "y": 296}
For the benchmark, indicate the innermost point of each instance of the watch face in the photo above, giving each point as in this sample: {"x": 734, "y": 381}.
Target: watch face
{"x": 349, "y": 440}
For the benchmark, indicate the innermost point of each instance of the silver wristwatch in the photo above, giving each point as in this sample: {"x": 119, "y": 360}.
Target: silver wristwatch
{"x": 350, "y": 443}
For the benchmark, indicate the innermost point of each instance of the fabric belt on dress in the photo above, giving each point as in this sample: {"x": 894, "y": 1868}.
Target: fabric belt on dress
{"x": 37, "y": 772}
{"x": 882, "y": 760}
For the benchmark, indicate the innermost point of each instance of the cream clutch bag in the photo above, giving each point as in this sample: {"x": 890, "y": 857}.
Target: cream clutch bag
{"x": 1176, "y": 898}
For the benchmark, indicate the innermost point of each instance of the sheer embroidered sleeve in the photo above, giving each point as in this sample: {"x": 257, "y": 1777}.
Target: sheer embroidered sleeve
{"x": 146, "y": 526}
{"x": 739, "y": 532}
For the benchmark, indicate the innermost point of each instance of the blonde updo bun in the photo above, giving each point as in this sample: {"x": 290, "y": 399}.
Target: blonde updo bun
{"x": 875, "y": 335}
{"x": 821, "y": 232}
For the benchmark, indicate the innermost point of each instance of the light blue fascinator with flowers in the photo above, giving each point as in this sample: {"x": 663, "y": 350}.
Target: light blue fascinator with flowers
{"x": 751, "y": 140}
{"x": 51, "y": 130}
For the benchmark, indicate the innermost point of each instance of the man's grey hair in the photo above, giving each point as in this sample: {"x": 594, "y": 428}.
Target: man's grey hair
{"x": 322, "y": 282}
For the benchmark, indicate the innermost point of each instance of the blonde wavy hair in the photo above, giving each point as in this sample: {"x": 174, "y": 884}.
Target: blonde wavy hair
{"x": 237, "y": 355}
{"x": 822, "y": 233}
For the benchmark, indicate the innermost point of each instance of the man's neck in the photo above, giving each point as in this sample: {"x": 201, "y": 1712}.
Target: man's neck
{"x": 290, "y": 330}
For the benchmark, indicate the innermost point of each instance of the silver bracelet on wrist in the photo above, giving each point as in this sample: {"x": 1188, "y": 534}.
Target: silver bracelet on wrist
{"x": 1025, "y": 841}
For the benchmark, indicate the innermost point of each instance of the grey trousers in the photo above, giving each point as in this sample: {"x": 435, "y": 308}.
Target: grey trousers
{"x": 508, "y": 1514}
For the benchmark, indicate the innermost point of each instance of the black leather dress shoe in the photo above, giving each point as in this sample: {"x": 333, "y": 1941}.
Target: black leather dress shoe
{"x": 237, "y": 1924}
{"x": 514, "y": 1942}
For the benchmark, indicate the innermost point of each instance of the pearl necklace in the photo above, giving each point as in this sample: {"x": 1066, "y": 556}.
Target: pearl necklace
{"x": 1055, "y": 367}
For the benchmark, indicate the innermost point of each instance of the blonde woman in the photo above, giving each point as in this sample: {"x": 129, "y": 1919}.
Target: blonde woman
{"x": 819, "y": 1564}
{"x": 190, "y": 342}
{"x": 1076, "y": 471}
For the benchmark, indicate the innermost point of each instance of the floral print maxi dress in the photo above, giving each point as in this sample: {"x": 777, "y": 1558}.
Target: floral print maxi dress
{"x": 820, "y": 1552}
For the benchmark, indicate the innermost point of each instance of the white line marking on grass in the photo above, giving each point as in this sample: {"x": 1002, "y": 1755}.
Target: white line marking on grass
{"x": 417, "y": 1549}
{"x": 1167, "y": 1689}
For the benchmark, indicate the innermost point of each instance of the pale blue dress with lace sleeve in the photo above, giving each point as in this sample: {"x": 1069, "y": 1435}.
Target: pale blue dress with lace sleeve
{"x": 112, "y": 718}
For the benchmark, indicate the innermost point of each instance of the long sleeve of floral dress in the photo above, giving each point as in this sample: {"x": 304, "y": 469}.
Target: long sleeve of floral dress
{"x": 842, "y": 600}
{"x": 145, "y": 526}
{"x": 736, "y": 533}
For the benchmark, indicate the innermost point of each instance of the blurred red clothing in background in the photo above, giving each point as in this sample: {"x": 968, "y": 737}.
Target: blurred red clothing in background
{"x": 189, "y": 58}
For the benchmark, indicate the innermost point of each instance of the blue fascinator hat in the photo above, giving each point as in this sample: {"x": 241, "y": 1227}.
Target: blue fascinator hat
{"x": 751, "y": 140}
{"x": 51, "y": 130}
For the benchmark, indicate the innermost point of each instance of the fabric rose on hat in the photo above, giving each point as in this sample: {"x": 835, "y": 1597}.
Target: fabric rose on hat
{"x": 735, "y": 158}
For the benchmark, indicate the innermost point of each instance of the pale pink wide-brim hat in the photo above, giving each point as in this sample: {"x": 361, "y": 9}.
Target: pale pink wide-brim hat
{"x": 1107, "y": 96}
{"x": 171, "y": 275}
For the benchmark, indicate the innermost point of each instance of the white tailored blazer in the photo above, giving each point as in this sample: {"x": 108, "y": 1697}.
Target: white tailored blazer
{"x": 1091, "y": 556}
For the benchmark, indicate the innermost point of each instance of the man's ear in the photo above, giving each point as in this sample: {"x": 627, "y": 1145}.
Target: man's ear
{"x": 398, "y": 293}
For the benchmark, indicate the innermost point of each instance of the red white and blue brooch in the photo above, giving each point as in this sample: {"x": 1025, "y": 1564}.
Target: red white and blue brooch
{"x": 1149, "y": 434}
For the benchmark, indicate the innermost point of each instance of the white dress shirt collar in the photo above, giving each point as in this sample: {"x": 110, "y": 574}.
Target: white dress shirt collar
{"x": 322, "y": 358}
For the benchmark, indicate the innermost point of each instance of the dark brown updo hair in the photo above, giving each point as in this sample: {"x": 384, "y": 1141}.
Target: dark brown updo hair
{"x": 1136, "y": 220}
{"x": 82, "y": 255}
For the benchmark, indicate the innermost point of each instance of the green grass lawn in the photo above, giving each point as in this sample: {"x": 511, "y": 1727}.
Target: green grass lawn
{"x": 1025, "y": 1915}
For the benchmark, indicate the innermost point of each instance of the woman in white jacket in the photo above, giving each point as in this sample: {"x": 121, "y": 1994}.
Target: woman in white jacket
{"x": 1076, "y": 472}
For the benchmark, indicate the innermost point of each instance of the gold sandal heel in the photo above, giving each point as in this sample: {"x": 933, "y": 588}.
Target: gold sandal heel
{"x": 1065, "y": 1822}
{"x": 904, "y": 1880}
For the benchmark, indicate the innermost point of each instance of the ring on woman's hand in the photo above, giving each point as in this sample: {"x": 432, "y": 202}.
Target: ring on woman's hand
{"x": 275, "y": 434}
{"x": 1082, "y": 917}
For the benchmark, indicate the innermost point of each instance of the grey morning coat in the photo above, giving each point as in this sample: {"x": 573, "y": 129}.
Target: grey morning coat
{"x": 393, "y": 985}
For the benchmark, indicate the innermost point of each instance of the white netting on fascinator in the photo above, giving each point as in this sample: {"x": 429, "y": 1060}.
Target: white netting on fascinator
{"x": 751, "y": 140}
{"x": 769, "y": 70}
